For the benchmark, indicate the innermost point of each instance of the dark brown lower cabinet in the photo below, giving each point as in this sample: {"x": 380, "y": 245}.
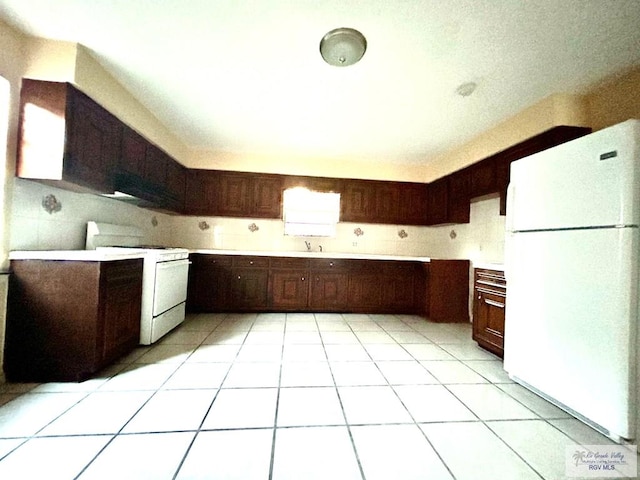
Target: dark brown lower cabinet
{"x": 328, "y": 292}
{"x": 289, "y": 289}
{"x": 241, "y": 283}
{"x": 68, "y": 319}
{"x": 449, "y": 291}
{"x": 490, "y": 293}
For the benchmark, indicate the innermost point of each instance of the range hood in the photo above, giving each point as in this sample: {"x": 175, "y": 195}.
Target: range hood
{"x": 137, "y": 191}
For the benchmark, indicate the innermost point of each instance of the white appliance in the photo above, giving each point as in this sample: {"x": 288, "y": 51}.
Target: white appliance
{"x": 572, "y": 256}
{"x": 164, "y": 277}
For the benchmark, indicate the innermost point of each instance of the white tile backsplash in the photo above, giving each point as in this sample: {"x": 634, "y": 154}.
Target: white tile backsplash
{"x": 32, "y": 228}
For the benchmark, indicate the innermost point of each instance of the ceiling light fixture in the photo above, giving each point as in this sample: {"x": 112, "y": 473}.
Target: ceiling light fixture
{"x": 343, "y": 47}
{"x": 466, "y": 89}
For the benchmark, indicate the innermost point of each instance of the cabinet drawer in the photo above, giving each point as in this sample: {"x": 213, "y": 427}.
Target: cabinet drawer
{"x": 330, "y": 264}
{"x": 212, "y": 260}
{"x": 250, "y": 262}
{"x": 399, "y": 268}
{"x": 289, "y": 262}
{"x": 490, "y": 280}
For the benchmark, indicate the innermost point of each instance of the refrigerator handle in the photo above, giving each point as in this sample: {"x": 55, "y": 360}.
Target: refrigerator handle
{"x": 510, "y": 204}
{"x": 508, "y": 241}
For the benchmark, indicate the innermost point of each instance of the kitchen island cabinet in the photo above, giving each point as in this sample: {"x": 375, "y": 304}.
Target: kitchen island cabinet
{"x": 490, "y": 293}
{"x": 68, "y": 319}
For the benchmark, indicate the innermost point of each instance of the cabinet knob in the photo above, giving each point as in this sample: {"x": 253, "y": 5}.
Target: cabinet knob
{"x": 303, "y": 279}
{"x": 331, "y": 264}
{"x": 251, "y": 262}
{"x": 239, "y": 277}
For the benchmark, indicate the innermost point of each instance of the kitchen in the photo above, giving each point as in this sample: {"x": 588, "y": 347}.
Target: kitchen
{"x": 33, "y": 228}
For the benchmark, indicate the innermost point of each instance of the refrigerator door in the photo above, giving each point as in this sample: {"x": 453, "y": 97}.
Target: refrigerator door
{"x": 571, "y": 320}
{"x": 591, "y": 181}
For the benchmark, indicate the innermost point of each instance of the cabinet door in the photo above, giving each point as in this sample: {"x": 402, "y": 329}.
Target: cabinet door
{"x": 358, "y": 201}
{"x": 93, "y": 143}
{"x": 438, "y": 202}
{"x": 412, "y": 205}
{"x": 201, "y": 192}
{"x": 387, "y": 197}
{"x": 290, "y": 289}
{"x": 459, "y": 204}
{"x": 121, "y": 294}
{"x": 328, "y": 292}
{"x": 267, "y": 197}
{"x": 209, "y": 283}
{"x": 483, "y": 178}
{"x": 249, "y": 288}
{"x": 488, "y": 320}
{"x": 134, "y": 152}
{"x": 155, "y": 168}
{"x": 400, "y": 281}
{"x": 364, "y": 291}
{"x": 233, "y": 195}
{"x": 176, "y": 182}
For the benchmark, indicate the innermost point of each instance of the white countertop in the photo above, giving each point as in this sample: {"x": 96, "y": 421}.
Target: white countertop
{"x": 489, "y": 266}
{"x": 354, "y": 256}
{"x": 77, "y": 255}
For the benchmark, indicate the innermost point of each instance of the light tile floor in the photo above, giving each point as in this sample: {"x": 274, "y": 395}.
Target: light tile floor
{"x": 291, "y": 396}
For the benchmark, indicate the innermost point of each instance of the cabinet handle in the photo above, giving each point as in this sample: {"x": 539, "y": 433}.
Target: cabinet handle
{"x": 493, "y": 303}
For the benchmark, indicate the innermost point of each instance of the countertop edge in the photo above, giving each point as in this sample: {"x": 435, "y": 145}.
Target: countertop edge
{"x": 71, "y": 255}
{"x": 353, "y": 256}
{"x": 489, "y": 266}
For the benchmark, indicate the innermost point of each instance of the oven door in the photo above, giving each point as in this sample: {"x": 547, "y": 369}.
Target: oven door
{"x": 171, "y": 285}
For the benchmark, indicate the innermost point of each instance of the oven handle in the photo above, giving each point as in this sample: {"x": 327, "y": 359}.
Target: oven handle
{"x": 173, "y": 263}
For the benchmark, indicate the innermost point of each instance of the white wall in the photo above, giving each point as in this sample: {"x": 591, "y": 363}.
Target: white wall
{"x": 482, "y": 240}
{"x": 33, "y": 228}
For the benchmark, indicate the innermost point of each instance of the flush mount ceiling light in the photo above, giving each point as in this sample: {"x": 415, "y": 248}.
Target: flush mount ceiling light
{"x": 343, "y": 47}
{"x": 466, "y": 89}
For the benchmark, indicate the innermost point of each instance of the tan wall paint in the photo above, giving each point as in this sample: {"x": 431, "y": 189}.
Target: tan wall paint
{"x": 50, "y": 60}
{"x": 100, "y": 85}
{"x": 559, "y": 109}
{"x": 615, "y": 100}
{"x": 318, "y": 167}
{"x": 12, "y": 67}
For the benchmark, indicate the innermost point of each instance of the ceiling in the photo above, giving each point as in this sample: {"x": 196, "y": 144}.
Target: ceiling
{"x": 246, "y": 76}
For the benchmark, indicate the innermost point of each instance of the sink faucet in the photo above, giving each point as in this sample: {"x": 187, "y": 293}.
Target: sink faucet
{"x": 308, "y": 244}
{"x": 320, "y": 247}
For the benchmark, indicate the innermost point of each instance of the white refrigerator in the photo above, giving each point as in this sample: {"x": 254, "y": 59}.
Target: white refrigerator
{"x": 572, "y": 260}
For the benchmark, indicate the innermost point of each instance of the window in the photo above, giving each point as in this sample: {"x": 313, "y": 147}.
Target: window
{"x": 310, "y": 214}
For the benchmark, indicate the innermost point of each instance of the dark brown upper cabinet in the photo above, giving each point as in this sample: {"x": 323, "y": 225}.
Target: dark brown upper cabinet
{"x": 384, "y": 202}
{"x": 358, "y": 202}
{"x": 201, "y": 192}
{"x": 233, "y": 194}
{"x": 438, "y": 202}
{"x": 65, "y": 138}
{"x": 413, "y": 204}
{"x": 148, "y": 173}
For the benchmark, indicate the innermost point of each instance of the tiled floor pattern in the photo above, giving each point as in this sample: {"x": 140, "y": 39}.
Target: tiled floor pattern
{"x": 291, "y": 396}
